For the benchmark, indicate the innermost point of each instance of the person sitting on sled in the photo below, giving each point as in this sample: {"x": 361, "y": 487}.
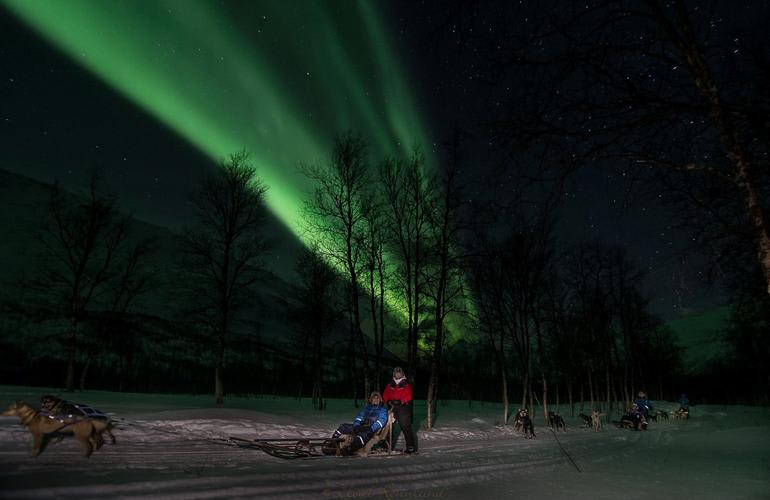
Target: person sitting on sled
{"x": 644, "y": 403}
{"x": 636, "y": 416}
{"x": 371, "y": 419}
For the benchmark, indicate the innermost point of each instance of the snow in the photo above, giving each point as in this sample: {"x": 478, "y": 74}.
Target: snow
{"x": 168, "y": 447}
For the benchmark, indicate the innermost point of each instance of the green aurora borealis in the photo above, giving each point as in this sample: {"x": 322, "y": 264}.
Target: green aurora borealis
{"x": 279, "y": 79}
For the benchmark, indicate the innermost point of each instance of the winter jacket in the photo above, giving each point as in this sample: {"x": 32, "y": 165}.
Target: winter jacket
{"x": 645, "y": 406}
{"x": 684, "y": 402}
{"x": 375, "y": 416}
{"x": 398, "y": 392}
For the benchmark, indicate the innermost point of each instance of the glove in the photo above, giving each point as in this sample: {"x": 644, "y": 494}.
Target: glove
{"x": 394, "y": 402}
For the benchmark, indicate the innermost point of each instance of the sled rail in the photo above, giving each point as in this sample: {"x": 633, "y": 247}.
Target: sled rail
{"x": 289, "y": 448}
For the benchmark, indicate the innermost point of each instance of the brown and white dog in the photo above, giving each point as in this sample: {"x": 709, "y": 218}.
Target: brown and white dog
{"x": 88, "y": 432}
{"x": 57, "y": 407}
{"x": 596, "y": 420}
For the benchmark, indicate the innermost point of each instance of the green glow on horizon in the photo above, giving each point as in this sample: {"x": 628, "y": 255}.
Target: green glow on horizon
{"x": 279, "y": 79}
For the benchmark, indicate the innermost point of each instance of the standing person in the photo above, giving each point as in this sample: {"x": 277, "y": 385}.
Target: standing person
{"x": 398, "y": 394}
{"x": 371, "y": 419}
{"x": 684, "y": 403}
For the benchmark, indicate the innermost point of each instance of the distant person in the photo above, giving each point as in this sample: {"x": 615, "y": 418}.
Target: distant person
{"x": 371, "y": 419}
{"x": 644, "y": 404}
{"x": 684, "y": 403}
{"x": 398, "y": 394}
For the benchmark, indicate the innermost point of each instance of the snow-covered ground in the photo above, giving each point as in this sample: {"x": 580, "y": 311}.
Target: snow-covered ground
{"x": 168, "y": 448}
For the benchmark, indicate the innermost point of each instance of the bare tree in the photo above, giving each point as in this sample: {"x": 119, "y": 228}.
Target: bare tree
{"x": 335, "y": 218}
{"x": 316, "y": 314}
{"x": 404, "y": 193}
{"x": 79, "y": 245}
{"x": 132, "y": 279}
{"x": 669, "y": 92}
{"x": 374, "y": 242}
{"x": 222, "y": 251}
{"x": 443, "y": 277}
{"x": 487, "y": 292}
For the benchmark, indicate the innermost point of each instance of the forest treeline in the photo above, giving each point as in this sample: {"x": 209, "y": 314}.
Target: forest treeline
{"x": 479, "y": 301}
{"x": 478, "y": 296}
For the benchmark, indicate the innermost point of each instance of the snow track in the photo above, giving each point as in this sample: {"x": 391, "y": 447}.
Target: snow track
{"x": 184, "y": 458}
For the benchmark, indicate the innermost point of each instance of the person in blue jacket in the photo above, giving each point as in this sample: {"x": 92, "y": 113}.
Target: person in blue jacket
{"x": 684, "y": 402}
{"x": 644, "y": 404}
{"x": 371, "y": 419}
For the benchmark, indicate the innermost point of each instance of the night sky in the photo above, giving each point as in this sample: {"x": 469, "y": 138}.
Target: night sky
{"x": 155, "y": 92}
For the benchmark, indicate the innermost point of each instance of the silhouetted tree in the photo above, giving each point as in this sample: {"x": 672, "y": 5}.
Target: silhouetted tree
{"x": 80, "y": 245}
{"x": 404, "y": 194}
{"x": 668, "y": 92}
{"x": 132, "y": 278}
{"x": 335, "y": 219}
{"x": 222, "y": 252}
{"x": 444, "y": 269}
{"x": 317, "y": 311}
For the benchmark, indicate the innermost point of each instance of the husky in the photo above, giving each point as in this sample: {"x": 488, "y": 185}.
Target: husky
{"x": 524, "y": 423}
{"x": 88, "y": 432}
{"x": 596, "y": 420}
{"x": 59, "y": 408}
{"x": 555, "y": 421}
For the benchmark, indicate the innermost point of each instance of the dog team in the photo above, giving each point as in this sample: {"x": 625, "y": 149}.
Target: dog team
{"x": 639, "y": 414}
{"x": 58, "y": 418}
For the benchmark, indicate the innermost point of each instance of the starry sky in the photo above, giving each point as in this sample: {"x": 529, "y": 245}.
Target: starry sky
{"x": 155, "y": 93}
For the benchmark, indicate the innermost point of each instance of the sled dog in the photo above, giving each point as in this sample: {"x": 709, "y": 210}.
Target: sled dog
{"x": 88, "y": 432}
{"x": 555, "y": 421}
{"x": 524, "y": 424}
{"x": 596, "y": 420}
{"x": 60, "y": 408}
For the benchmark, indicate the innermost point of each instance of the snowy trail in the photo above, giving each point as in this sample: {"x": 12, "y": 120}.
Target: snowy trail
{"x": 159, "y": 458}
{"x": 175, "y": 455}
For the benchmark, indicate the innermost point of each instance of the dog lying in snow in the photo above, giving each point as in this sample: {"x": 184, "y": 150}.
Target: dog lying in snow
{"x": 522, "y": 423}
{"x": 87, "y": 432}
{"x": 596, "y": 420}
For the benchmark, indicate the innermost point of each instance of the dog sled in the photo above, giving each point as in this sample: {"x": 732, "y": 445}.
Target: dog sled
{"x": 302, "y": 448}
{"x": 307, "y": 448}
{"x": 289, "y": 448}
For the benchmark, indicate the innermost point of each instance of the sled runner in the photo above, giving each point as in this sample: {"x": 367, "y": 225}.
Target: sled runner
{"x": 303, "y": 448}
{"x": 289, "y": 448}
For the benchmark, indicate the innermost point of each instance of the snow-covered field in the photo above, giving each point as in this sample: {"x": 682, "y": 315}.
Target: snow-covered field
{"x": 168, "y": 448}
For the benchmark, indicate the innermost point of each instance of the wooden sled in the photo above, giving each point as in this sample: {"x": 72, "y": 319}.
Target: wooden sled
{"x": 289, "y": 448}
{"x": 294, "y": 448}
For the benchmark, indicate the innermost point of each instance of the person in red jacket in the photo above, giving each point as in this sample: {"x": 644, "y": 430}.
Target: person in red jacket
{"x": 398, "y": 394}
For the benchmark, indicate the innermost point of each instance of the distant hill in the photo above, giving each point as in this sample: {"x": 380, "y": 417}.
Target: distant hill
{"x": 23, "y": 213}
{"x": 700, "y": 336}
